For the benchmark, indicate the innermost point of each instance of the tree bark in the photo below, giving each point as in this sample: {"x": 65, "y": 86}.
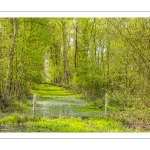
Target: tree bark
{"x": 65, "y": 59}
{"x": 76, "y": 46}
{"x": 9, "y": 81}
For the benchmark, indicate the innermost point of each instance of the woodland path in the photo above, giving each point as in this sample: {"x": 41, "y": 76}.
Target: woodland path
{"x": 59, "y": 110}
{"x": 55, "y": 102}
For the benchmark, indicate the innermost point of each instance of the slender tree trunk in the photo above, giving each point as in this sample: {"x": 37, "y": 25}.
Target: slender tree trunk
{"x": 76, "y": 46}
{"x": 108, "y": 64}
{"x": 65, "y": 59}
{"x": 95, "y": 47}
{"x": 9, "y": 81}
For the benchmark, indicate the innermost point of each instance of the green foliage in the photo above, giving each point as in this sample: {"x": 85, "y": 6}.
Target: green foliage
{"x": 93, "y": 56}
{"x": 14, "y": 118}
{"x": 62, "y": 125}
{"x": 22, "y": 57}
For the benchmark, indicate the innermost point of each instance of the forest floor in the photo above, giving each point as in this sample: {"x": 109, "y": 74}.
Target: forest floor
{"x": 59, "y": 110}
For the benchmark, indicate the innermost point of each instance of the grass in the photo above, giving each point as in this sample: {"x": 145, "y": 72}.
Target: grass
{"x": 52, "y": 91}
{"x": 77, "y": 125}
{"x": 60, "y": 110}
{"x": 55, "y": 102}
{"x": 68, "y": 107}
{"x": 19, "y": 123}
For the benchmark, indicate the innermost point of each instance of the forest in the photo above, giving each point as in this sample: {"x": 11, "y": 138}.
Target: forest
{"x": 87, "y": 74}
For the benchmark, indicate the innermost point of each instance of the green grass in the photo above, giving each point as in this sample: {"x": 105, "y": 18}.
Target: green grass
{"x": 16, "y": 123}
{"x": 52, "y": 91}
{"x": 55, "y": 102}
{"x": 76, "y": 125}
{"x": 60, "y": 110}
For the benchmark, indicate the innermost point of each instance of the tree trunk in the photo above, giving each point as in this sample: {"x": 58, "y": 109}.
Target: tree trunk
{"x": 65, "y": 59}
{"x": 9, "y": 81}
{"x": 76, "y": 46}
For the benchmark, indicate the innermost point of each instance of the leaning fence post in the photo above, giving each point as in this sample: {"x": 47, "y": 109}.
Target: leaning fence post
{"x": 34, "y": 106}
{"x": 106, "y": 104}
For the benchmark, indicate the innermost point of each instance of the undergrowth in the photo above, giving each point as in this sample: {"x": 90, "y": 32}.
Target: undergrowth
{"x": 17, "y": 123}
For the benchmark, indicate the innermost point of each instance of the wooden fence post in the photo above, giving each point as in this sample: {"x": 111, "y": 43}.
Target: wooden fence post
{"x": 106, "y": 104}
{"x": 34, "y": 106}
